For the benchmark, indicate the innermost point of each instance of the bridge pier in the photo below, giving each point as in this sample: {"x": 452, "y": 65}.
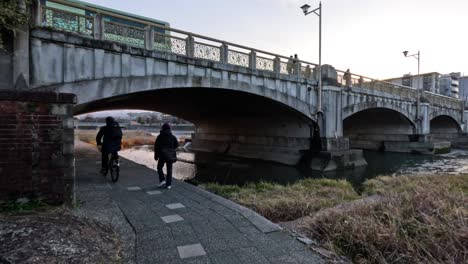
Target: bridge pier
{"x": 335, "y": 153}
{"x": 282, "y": 140}
{"x": 421, "y": 141}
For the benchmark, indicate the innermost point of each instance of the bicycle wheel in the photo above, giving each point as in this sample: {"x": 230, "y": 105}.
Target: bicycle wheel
{"x": 114, "y": 170}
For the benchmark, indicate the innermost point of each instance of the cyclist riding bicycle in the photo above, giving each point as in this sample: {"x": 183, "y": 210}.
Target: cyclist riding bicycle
{"x": 111, "y": 144}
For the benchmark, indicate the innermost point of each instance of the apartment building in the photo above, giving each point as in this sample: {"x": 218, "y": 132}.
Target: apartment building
{"x": 434, "y": 82}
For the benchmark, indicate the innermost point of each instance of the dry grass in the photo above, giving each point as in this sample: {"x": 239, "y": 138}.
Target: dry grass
{"x": 130, "y": 138}
{"x": 284, "y": 203}
{"x": 419, "y": 219}
{"x": 385, "y": 185}
{"x": 422, "y": 219}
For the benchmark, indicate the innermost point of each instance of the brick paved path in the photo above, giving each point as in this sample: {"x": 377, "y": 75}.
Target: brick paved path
{"x": 182, "y": 225}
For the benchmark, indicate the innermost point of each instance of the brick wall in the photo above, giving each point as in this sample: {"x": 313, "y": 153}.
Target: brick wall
{"x": 36, "y": 146}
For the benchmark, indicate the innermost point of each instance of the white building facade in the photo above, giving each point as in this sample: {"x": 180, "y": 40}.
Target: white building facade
{"x": 434, "y": 82}
{"x": 463, "y": 89}
{"x": 449, "y": 84}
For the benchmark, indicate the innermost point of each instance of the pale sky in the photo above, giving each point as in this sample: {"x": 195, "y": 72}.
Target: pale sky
{"x": 367, "y": 36}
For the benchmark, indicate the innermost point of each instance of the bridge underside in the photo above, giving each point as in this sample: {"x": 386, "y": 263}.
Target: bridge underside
{"x": 445, "y": 128}
{"x": 231, "y": 122}
{"x": 370, "y": 129}
{"x": 388, "y": 130}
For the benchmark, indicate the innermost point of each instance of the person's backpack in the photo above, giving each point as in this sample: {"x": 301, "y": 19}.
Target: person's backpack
{"x": 169, "y": 154}
{"x": 116, "y": 131}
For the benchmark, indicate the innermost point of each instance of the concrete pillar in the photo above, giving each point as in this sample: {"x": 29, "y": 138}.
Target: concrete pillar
{"x": 465, "y": 122}
{"x": 332, "y": 108}
{"x": 224, "y": 53}
{"x": 282, "y": 139}
{"x": 98, "y": 27}
{"x": 253, "y": 60}
{"x": 190, "y": 46}
{"x": 335, "y": 153}
{"x": 149, "y": 38}
{"x": 21, "y": 53}
{"x": 423, "y": 120}
{"x": 298, "y": 69}
{"x": 329, "y": 75}
{"x": 277, "y": 65}
{"x": 37, "y": 12}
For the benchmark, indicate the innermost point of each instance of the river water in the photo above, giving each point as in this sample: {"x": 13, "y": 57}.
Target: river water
{"x": 206, "y": 167}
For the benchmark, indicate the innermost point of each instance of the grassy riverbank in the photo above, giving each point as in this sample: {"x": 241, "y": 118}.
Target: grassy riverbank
{"x": 415, "y": 219}
{"x": 284, "y": 203}
{"x": 131, "y": 138}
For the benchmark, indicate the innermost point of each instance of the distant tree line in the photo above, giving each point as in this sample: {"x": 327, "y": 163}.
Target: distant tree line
{"x": 144, "y": 118}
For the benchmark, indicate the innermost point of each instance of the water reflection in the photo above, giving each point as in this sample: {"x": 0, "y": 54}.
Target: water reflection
{"x": 207, "y": 167}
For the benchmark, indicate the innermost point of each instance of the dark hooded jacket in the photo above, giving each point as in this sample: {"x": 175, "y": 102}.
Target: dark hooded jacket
{"x": 112, "y": 134}
{"x": 165, "y": 146}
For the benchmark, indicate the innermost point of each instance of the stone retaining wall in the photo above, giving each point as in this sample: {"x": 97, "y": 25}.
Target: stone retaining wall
{"x": 37, "y": 146}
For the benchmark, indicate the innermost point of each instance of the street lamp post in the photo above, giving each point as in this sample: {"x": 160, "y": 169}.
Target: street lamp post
{"x": 318, "y": 12}
{"x": 416, "y": 56}
{"x": 420, "y": 89}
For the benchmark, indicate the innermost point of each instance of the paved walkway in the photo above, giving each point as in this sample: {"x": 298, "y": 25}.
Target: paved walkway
{"x": 182, "y": 225}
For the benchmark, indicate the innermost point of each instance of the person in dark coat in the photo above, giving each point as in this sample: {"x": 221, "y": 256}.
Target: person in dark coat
{"x": 109, "y": 140}
{"x": 165, "y": 151}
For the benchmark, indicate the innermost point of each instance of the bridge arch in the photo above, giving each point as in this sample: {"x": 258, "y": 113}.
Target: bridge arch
{"x": 199, "y": 104}
{"x": 450, "y": 115}
{"x": 238, "y": 122}
{"x": 118, "y": 77}
{"x": 404, "y": 110}
{"x": 444, "y": 124}
{"x": 107, "y": 88}
{"x": 371, "y": 127}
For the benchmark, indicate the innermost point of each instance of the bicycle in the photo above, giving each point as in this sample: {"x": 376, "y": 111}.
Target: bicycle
{"x": 113, "y": 167}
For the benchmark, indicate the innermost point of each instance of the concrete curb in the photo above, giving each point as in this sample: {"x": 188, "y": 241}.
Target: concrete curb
{"x": 260, "y": 222}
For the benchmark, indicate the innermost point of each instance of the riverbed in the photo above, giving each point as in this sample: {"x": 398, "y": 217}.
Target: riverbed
{"x": 206, "y": 167}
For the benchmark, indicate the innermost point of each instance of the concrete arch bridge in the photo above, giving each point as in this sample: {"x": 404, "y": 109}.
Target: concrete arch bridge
{"x": 243, "y": 101}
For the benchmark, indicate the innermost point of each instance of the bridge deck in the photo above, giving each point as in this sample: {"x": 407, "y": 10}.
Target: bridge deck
{"x": 222, "y": 232}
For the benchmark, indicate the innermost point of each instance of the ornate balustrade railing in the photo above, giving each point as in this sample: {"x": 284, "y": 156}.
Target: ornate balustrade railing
{"x": 119, "y": 32}
{"x": 442, "y": 100}
{"x": 206, "y": 51}
{"x": 351, "y": 80}
{"x": 67, "y": 21}
{"x": 346, "y": 79}
{"x": 168, "y": 43}
{"x": 153, "y": 36}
